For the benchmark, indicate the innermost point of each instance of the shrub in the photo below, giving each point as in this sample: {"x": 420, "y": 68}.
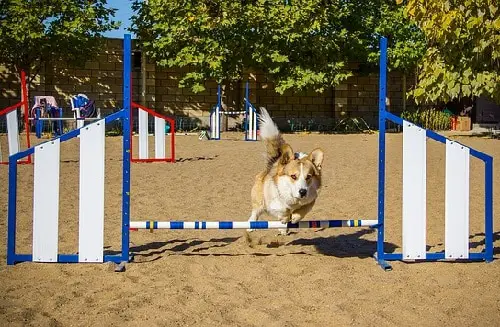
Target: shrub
{"x": 429, "y": 118}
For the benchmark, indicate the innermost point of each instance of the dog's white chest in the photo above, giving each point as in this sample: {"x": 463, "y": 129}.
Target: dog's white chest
{"x": 277, "y": 208}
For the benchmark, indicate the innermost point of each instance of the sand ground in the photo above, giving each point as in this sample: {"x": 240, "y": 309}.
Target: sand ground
{"x": 214, "y": 278}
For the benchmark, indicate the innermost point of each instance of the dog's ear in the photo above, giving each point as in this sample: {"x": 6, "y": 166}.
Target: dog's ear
{"x": 316, "y": 156}
{"x": 286, "y": 154}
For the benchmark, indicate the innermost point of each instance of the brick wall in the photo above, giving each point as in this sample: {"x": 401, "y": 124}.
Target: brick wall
{"x": 101, "y": 80}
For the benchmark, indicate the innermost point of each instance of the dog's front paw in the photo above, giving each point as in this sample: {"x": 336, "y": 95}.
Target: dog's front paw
{"x": 285, "y": 220}
{"x": 296, "y": 218}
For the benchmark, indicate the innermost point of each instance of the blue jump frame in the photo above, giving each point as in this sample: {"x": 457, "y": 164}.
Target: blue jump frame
{"x": 382, "y": 257}
{"x": 124, "y": 115}
{"x": 249, "y": 108}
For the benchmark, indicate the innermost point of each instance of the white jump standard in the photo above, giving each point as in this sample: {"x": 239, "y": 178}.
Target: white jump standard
{"x": 251, "y": 124}
{"x": 11, "y": 117}
{"x": 92, "y": 179}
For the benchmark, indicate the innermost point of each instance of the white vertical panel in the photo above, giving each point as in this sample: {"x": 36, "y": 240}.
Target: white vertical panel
{"x": 254, "y": 130}
{"x": 457, "y": 201}
{"x": 13, "y": 132}
{"x": 91, "y": 216}
{"x": 159, "y": 138}
{"x": 414, "y": 192}
{"x": 143, "y": 135}
{"x": 46, "y": 202}
{"x": 79, "y": 123}
{"x": 250, "y": 123}
{"x": 212, "y": 125}
{"x": 215, "y": 123}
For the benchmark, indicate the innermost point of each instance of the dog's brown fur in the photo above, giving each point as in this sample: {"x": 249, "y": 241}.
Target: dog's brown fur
{"x": 277, "y": 188}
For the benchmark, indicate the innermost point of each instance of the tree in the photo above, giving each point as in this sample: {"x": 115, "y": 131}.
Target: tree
{"x": 34, "y": 32}
{"x": 462, "y": 57}
{"x": 202, "y": 35}
{"x": 309, "y": 44}
{"x": 406, "y": 42}
{"x": 300, "y": 44}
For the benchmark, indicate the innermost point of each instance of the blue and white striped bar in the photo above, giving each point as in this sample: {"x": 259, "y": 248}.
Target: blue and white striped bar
{"x": 232, "y": 112}
{"x": 249, "y": 224}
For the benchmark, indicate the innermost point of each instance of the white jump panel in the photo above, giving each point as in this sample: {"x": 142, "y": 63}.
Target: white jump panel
{"x": 215, "y": 123}
{"x": 254, "y": 129}
{"x": 159, "y": 138}
{"x": 13, "y": 132}
{"x": 143, "y": 135}
{"x": 91, "y": 217}
{"x": 76, "y": 114}
{"x": 252, "y": 124}
{"x": 46, "y": 202}
{"x": 457, "y": 201}
{"x": 414, "y": 192}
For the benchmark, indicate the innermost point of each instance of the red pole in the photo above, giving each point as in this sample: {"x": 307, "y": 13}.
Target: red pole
{"x": 24, "y": 91}
{"x": 172, "y": 139}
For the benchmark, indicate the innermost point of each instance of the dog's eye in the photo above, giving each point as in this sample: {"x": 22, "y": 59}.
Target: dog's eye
{"x": 308, "y": 177}
{"x": 294, "y": 177}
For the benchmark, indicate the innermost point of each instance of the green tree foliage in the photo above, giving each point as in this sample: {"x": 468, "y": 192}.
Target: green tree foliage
{"x": 33, "y": 32}
{"x": 407, "y": 43}
{"x": 202, "y": 35}
{"x": 462, "y": 58}
{"x": 308, "y": 44}
{"x": 303, "y": 44}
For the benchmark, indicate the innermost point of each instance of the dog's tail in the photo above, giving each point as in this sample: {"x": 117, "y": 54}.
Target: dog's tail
{"x": 270, "y": 134}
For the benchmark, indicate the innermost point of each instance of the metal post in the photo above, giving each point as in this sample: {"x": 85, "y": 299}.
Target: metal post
{"x": 25, "y": 110}
{"x": 381, "y": 145}
{"x": 38, "y": 126}
{"x": 219, "y": 105}
{"x": 247, "y": 111}
{"x": 60, "y": 125}
{"x": 12, "y": 208}
{"x": 488, "y": 204}
{"x": 127, "y": 102}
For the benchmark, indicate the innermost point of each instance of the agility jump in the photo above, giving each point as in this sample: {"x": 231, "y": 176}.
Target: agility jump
{"x": 45, "y": 214}
{"x": 250, "y": 121}
{"x": 80, "y": 115}
{"x": 159, "y": 135}
{"x": 45, "y": 108}
{"x": 11, "y": 116}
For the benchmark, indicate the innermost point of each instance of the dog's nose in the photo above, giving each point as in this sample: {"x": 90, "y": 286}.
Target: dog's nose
{"x": 302, "y": 192}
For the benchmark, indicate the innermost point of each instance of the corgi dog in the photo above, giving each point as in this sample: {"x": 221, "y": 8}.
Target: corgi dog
{"x": 288, "y": 187}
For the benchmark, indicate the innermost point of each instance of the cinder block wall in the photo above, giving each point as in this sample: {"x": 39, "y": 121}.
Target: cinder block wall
{"x": 101, "y": 80}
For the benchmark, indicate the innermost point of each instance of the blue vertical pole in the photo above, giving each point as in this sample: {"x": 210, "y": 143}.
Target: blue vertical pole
{"x": 247, "y": 111}
{"x": 60, "y": 123}
{"x": 127, "y": 102}
{"x": 12, "y": 208}
{"x": 488, "y": 210}
{"x": 381, "y": 147}
{"x": 38, "y": 127}
{"x": 219, "y": 104}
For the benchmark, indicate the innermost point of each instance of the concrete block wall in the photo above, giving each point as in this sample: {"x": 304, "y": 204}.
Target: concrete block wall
{"x": 101, "y": 80}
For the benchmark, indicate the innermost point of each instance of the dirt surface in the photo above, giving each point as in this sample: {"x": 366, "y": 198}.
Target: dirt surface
{"x": 214, "y": 278}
